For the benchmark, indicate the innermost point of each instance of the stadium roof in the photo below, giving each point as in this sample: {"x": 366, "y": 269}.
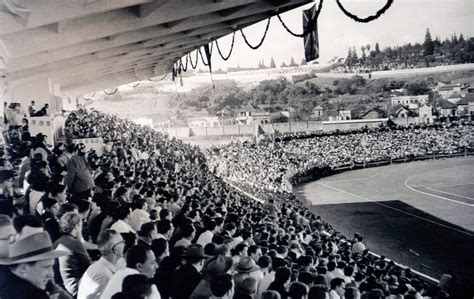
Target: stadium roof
{"x": 88, "y": 45}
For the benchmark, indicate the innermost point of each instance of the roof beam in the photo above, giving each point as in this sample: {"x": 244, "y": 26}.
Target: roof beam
{"x": 147, "y": 9}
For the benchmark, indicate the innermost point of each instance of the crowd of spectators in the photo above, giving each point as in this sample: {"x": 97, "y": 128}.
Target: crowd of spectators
{"x": 270, "y": 164}
{"x": 149, "y": 219}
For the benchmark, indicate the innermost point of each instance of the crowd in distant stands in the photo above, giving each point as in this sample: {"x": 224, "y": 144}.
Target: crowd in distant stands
{"x": 268, "y": 165}
{"x": 149, "y": 219}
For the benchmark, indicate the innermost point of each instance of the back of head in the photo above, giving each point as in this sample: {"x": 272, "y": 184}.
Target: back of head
{"x": 271, "y": 295}
{"x": 297, "y": 290}
{"x": 105, "y": 239}
{"x": 376, "y": 294}
{"x": 20, "y": 221}
{"x": 221, "y": 285}
{"x": 68, "y": 222}
{"x": 351, "y": 293}
{"x": 318, "y": 291}
{"x": 136, "y": 286}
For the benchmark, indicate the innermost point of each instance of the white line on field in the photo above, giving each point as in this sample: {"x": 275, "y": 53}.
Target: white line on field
{"x": 398, "y": 210}
{"x": 449, "y": 193}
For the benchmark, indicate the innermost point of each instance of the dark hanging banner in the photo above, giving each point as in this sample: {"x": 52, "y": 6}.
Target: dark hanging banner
{"x": 310, "y": 29}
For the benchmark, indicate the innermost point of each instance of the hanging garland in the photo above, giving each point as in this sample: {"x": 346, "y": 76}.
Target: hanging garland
{"x": 159, "y": 79}
{"x": 230, "y": 51}
{"x": 261, "y": 41}
{"x": 288, "y": 29}
{"x": 184, "y": 68}
{"x": 112, "y": 93}
{"x": 88, "y": 99}
{"x": 136, "y": 85}
{"x": 191, "y": 61}
{"x": 369, "y": 18}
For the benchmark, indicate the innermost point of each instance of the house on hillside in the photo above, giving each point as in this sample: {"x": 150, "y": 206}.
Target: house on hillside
{"x": 337, "y": 115}
{"x": 409, "y": 100}
{"x": 446, "y": 108}
{"x": 317, "y": 112}
{"x": 454, "y": 97}
{"x": 373, "y": 113}
{"x": 448, "y": 89}
{"x": 226, "y": 116}
{"x": 247, "y": 115}
{"x": 465, "y": 107}
{"x": 402, "y": 111}
{"x": 278, "y": 113}
{"x": 425, "y": 114}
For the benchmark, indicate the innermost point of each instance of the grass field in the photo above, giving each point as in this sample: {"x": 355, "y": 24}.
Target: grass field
{"x": 420, "y": 214}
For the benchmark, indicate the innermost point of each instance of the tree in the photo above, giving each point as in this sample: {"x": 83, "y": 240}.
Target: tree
{"x": 377, "y": 48}
{"x": 428, "y": 45}
{"x": 283, "y": 65}
{"x": 303, "y": 62}
{"x": 272, "y": 63}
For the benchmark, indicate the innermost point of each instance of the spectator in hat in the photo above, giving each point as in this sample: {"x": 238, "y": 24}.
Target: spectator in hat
{"x": 140, "y": 260}
{"x": 96, "y": 277}
{"x": 190, "y": 272}
{"x": 213, "y": 267}
{"x": 30, "y": 262}
{"x": 78, "y": 179}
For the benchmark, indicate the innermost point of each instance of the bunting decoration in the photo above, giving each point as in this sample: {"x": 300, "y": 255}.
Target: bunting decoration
{"x": 310, "y": 29}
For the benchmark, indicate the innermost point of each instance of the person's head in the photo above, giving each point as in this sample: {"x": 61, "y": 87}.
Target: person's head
{"x": 111, "y": 244}
{"x": 136, "y": 286}
{"x": 160, "y": 247}
{"x": 318, "y": 291}
{"x": 27, "y": 224}
{"x": 7, "y": 232}
{"x": 120, "y": 213}
{"x": 222, "y": 286}
{"x": 164, "y": 227}
{"x": 51, "y": 205}
{"x": 297, "y": 290}
{"x": 187, "y": 231}
{"x": 142, "y": 259}
{"x": 282, "y": 275}
{"x": 195, "y": 255}
{"x": 306, "y": 277}
{"x": 271, "y": 295}
{"x": 351, "y": 293}
{"x": 255, "y": 252}
{"x": 337, "y": 284}
{"x": 248, "y": 286}
{"x": 376, "y": 294}
{"x": 147, "y": 231}
{"x": 70, "y": 223}
{"x": 32, "y": 259}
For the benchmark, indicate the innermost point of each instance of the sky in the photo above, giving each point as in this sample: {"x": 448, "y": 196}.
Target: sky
{"x": 406, "y": 21}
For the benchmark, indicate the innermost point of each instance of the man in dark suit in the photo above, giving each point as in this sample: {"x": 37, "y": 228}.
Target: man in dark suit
{"x": 188, "y": 276}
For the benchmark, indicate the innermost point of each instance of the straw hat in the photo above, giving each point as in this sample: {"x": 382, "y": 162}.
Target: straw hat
{"x": 36, "y": 247}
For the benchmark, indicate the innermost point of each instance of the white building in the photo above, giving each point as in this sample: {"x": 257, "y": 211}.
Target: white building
{"x": 409, "y": 100}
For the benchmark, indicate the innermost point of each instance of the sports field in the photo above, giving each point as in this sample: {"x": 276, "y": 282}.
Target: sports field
{"x": 420, "y": 214}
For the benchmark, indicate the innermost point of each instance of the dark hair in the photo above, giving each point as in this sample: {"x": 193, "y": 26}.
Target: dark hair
{"x": 120, "y": 213}
{"x": 146, "y": 229}
{"x": 20, "y": 221}
{"x": 335, "y": 282}
{"x": 221, "y": 284}
{"x": 159, "y": 246}
{"x": 187, "y": 230}
{"x": 351, "y": 293}
{"x": 282, "y": 275}
{"x": 163, "y": 226}
{"x": 297, "y": 290}
{"x": 318, "y": 291}
{"x": 137, "y": 254}
{"x": 306, "y": 278}
{"x": 136, "y": 286}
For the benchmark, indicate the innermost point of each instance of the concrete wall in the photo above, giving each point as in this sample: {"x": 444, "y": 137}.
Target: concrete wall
{"x": 250, "y": 130}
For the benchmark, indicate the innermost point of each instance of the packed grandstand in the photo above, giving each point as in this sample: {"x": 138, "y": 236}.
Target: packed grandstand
{"x": 158, "y": 208}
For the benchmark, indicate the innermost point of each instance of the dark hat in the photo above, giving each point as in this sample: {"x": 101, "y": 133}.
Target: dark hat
{"x": 195, "y": 250}
{"x": 246, "y": 265}
{"x": 36, "y": 247}
{"x": 217, "y": 265}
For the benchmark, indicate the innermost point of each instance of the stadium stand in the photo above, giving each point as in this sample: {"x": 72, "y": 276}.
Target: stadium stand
{"x": 150, "y": 207}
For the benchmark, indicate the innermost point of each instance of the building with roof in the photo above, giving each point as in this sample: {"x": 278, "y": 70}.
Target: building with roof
{"x": 447, "y": 108}
{"x": 373, "y": 113}
{"x": 409, "y": 100}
